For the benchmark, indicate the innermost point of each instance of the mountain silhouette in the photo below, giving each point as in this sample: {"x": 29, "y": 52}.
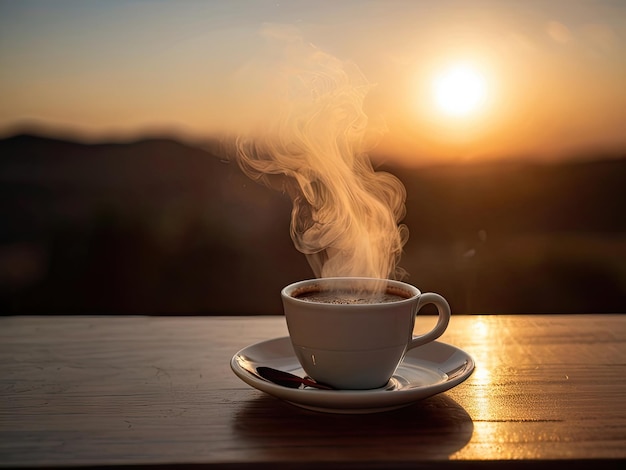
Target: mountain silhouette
{"x": 158, "y": 226}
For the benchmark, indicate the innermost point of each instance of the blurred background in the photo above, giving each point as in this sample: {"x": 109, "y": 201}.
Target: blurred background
{"x": 506, "y": 122}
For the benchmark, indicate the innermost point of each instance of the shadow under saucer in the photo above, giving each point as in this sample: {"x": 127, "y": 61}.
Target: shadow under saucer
{"x": 433, "y": 428}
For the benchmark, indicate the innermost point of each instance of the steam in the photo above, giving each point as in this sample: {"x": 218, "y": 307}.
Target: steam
{"x": 312, "y": 145}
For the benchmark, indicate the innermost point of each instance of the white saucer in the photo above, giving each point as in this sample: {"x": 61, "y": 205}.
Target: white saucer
{"x": 425, "y": 371}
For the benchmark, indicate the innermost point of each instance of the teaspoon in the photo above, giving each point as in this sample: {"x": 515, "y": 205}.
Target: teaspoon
{"x": 287, "y": 379}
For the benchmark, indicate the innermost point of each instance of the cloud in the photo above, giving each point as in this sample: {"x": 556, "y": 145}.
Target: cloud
{"x": 559, "y": 32}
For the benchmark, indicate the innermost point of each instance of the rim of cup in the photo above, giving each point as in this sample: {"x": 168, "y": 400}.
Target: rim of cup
{"x": 289, "y": 290}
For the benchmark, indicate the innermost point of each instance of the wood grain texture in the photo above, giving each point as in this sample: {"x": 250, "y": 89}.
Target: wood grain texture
{"x": 159, "y": 390}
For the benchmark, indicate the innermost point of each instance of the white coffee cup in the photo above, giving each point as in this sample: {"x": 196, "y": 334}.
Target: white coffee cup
{"x": 352, "y": 345}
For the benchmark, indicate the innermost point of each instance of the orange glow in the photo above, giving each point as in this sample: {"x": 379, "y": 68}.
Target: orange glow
{"x": 541, "y": 81}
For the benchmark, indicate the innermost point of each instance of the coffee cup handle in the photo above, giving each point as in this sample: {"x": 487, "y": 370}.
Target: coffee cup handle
{"x": 443, "y": 309}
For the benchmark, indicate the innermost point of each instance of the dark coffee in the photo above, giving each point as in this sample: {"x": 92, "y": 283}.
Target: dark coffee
{"x": 352, "y": 297}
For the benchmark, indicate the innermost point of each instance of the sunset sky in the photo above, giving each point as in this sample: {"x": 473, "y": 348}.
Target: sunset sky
{"x": 454, "y": 80}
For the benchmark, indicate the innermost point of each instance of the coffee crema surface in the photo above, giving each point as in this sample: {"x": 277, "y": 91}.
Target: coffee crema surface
{"x": 350, "y": 297}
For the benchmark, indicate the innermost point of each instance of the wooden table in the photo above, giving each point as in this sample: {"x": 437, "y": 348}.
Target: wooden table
{"x": 85, "y": 391}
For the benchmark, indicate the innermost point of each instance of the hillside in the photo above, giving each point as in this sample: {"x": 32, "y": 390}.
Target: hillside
{"x": 160, "y": 227}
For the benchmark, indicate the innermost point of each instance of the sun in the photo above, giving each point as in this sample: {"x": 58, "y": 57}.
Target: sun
{"x": 460, "y": 90}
